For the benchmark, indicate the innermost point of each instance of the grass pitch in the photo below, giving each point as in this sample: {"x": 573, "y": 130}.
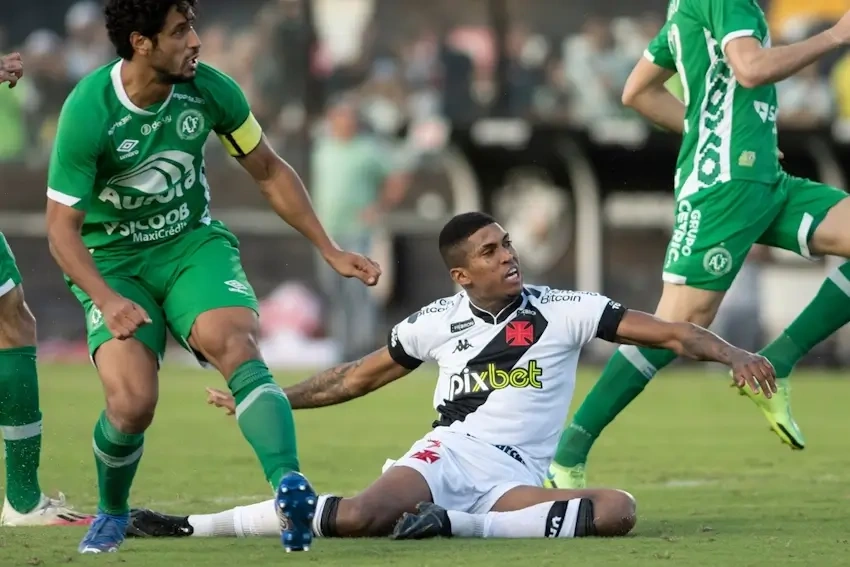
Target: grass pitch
{"x": 713, "y": 486}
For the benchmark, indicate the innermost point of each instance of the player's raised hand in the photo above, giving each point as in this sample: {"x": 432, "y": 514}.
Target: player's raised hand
{"x": 755, "y": 371}
{"x": 221, "y": 399}
{"x": 123, "y": 317}
{"x": 11, "y": 69}
{"x": 351, "y": 265}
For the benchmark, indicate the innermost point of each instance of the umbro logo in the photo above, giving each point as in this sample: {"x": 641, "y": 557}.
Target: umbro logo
{"x": 127, "y": 146}
{"x": 462, "y": 345}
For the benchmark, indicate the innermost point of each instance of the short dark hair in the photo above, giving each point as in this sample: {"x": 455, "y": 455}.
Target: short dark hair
{"x": 146, "y": 17}
{"x": 455, "y": 234}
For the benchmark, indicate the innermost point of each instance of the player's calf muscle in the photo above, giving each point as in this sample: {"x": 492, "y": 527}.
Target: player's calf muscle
{"x": 17, "y": 323}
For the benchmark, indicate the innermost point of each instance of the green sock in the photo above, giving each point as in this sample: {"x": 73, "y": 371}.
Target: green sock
{"x": 824, "y": 315}
{"x": 623, "y": 379}
{"x": 20, "y": 423}
{"x": 117, "y": 457}
{"x": 265, "y": 418}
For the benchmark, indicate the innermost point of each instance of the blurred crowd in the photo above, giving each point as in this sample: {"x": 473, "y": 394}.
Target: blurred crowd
{"x": 409, "y": 62}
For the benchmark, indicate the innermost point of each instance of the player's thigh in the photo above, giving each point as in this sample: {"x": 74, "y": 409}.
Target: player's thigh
{"x": 814, "y": 219}
{"x": 713, "y": 232}
{"x": 210, "y": 301}
{"x": 151, "y": 335}
{"x": 688, "y": 304}
{"x": 376, "y": 510}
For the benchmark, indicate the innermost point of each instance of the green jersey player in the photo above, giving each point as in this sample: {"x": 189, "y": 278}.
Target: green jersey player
{"x": 129, "y": 224}
{"x": 730, "y": 193}
{"x": 20, "y": 414}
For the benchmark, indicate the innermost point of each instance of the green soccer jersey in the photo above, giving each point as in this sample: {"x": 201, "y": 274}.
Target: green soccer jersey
{"x": 729, "y": 130}
{"x": 138, "y": 173}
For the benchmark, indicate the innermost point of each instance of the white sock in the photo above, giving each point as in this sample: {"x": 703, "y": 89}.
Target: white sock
{"x": 549, "y": 519}
{"x": 213, "y": 525}
{"x": 243, "y": 521}
{"x": 256, "y": 520}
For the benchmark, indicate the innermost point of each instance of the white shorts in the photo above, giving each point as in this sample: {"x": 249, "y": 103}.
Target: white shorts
{"x": 464, "y": 473}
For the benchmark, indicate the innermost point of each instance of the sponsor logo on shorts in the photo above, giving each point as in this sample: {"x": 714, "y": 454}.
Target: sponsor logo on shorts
{"x": 685, "y": 232}
{"x": 494, "y": 378}
{"x": 190, "y": 124}
{"x": 717, "y": 261}
{"x": 95, "y": 318}
{"x": 237, "y": 287}
{"x": 461, "y": 325}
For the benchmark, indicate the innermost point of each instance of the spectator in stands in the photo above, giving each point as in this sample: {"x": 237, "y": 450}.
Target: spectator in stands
{"x": 354, "y": 181}
{"x": 47, "y": 86}
{"x": 805, "y": 100}
{"x": 596, "y": 72}
{"x": 87, "y": 46}
{"x": 12, "y": 116}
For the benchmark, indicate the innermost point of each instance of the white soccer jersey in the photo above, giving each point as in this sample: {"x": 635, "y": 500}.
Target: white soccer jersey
{"x": 506, "y": 378}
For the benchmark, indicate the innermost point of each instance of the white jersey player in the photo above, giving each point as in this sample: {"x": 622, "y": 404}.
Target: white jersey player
{"x": 507, "y": 356}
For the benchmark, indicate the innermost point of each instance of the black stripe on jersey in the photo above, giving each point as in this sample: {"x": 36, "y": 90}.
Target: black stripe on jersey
{"x": 236, "y": 146}
{"x": 535, "y": 292}
{"x": 609, "y": 322}
{"x": 502, "y": 356}
{"x": 398, "y": 353}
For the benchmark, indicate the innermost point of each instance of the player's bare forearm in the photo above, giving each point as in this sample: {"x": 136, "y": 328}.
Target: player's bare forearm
{"x": 754, "y": 66}
{"x": 72, "y": 256}
{"x": 645, "y": 92}
{"x": 685, "y": 339}
{"x": 660, "y": 107}
{"x": 346, "y": 381}
{"x": 283, "y": 189}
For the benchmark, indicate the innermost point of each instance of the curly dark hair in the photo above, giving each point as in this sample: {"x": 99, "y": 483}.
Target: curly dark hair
{"x": 146, "y": 17}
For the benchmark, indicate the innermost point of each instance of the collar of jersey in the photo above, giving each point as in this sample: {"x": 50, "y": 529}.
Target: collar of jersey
{"x": 501, "y": 316}
{"x": 118, "y": 86}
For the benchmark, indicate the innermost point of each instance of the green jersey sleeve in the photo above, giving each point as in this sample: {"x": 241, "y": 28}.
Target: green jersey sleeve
{"x": 731, "y": 19}
{"x": 658, "y": 51}
{"x": 73, "y": 160}
{"x": 234, "y": 123}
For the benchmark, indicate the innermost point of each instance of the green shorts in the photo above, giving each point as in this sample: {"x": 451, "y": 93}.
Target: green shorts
{"x": 10, "y": 276}
{"x": 174, "y": 281}
{"x": 715, "y": 228}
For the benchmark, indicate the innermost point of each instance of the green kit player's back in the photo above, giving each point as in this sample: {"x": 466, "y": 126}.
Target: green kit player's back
{"x": 139, "y": 173}
{"x": 730, "y": 189}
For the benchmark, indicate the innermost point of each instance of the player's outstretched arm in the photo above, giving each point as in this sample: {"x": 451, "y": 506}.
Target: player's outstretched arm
{"x": 697, "y": 343}
{"x": 346, "y": 381}
{"x": 283, "y": 189}
{"x": 755, "y": 65}
{"x": 333, "y": 386}
{"x": 646, "y": 93}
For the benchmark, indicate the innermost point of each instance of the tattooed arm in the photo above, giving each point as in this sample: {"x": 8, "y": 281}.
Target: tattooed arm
{"x": 332, "y": 386}
{"x": 346, "y": 381}
{"x": 697, "y": 343}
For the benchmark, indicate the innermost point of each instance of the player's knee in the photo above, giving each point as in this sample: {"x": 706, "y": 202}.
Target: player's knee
{"x": 227, "y": 339}
{"x": 17, "y": 323}
{"x": 613, "y": 513}
{"x": 131, "y": 412}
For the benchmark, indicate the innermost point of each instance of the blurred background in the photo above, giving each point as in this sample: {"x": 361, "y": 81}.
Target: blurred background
{"x": 401, "y": 113}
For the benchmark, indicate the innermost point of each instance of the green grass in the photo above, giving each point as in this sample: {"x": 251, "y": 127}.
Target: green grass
{"x": 713, "y": 486}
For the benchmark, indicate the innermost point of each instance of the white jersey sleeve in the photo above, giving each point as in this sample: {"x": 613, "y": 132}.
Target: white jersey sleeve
{"x": 587, "y": 315}
{"x": 406, "y": 343}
